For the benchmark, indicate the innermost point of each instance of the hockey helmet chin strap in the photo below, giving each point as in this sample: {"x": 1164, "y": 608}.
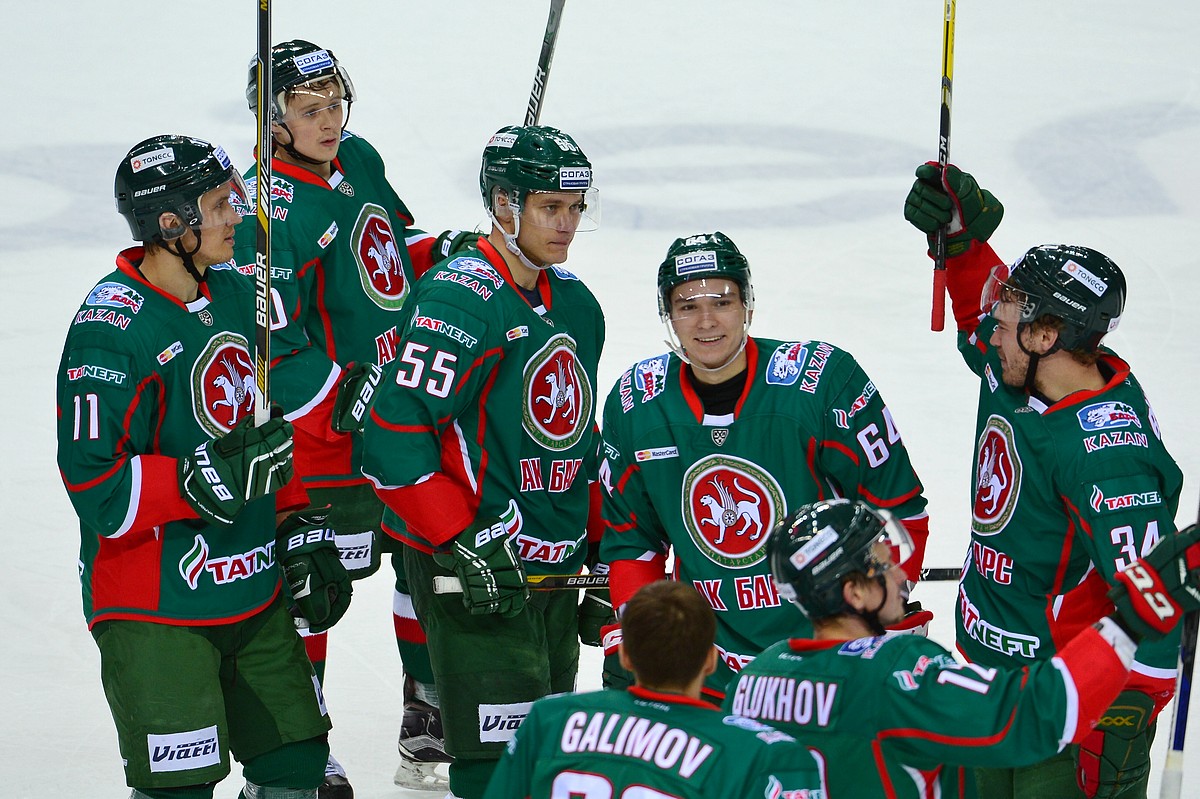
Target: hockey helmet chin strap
{"x": 1034, "y": 357}
{"x": 189, "y": 263}
{"x": 672, "y": 342}
{"x": 871, "y": 617}
{"x": 510, "y": 239}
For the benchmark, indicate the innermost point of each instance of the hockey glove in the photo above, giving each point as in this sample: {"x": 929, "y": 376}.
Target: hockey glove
{"x": 1116, "y": 754}
{"x": 354, "y": 396}
{"x": 1152, "y": 594}
{"x": 915, "y": 622}
{"x": 222, "y": 475}
{"x": 954, "y": 201}
{"x": 316, "y": 578}
{"x": 491, "y": 574}
{"x": 615, "y": 675}
{"x": 595, "y": 613}
{"x": 452, "y": 242}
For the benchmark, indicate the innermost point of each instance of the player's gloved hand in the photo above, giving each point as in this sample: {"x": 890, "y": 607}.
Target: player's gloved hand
{"x": 614, "y": 675}
{"x": 223, "y": 474}
{"x": 452, "y": 242}
{"x": 595, "y": 613}
{"x": 491, "y": 574}
{"x": 354, "y": 396}
{"x": 915, "y": 621}
{"x": 956, "y": 201}
{"x": 315, "y": 576}
{"x": 1116, "y": 754}
{"x": 1152, "y": 594}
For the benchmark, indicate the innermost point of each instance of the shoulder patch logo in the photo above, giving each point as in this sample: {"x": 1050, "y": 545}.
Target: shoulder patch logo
{"x": 1107, "y": 415}
{"x": 650, "y": 376}
{"x": 783, "y": 369}
{"x": 997, "y": 477}
{"x": 380, "y": 265}
{"x": 115, "y": 295}
{"x": 729, "y": 507}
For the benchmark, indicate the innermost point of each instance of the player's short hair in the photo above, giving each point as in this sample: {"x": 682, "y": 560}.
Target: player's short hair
{"x": 668, "y": 631}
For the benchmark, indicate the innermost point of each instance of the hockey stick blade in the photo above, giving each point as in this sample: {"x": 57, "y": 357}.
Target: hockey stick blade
{"x": 444, "y": 584}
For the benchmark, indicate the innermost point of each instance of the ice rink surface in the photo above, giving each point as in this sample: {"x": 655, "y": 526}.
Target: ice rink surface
{"x": 793, "y": 127}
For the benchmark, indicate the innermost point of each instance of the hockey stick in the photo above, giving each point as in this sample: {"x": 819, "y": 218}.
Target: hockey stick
{"x": 534, "y": 112}
{"x": 535, "y": 582}
{"x": 1171, "y": 786}
{"x": 262, "y": 258}
{"x": 938, "y": 318}
{"x": 560, "y": 582}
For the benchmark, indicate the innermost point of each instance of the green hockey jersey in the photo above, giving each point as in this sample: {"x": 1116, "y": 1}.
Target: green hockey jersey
{"x": 344, "y": 259}
{"x": 641, "y": 744}
{"x": 143, "y": 380}
{"x": 489, "y": 411}
{"x": 897, "y": 717}
{"x": 809, "y": 425}
{"x": 1064, "y": 496}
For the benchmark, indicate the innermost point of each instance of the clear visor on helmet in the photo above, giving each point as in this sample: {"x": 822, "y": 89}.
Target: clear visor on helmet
{"x": 999, "y": 289}
{"x": 315, "y": 101}
{"x": 222, "y": 206}
{"x": 893, "y": 546}
{"x": 562, "y": 210}
{"x": 716, "y": 295}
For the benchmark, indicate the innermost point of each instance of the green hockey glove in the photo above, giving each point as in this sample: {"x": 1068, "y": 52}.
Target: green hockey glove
{"x": 354, "y": 396}
{"x": 595, "y": 613}
{"x": 614, "y": 676}
{"x": 315, "y": 577}
{"x": 1116, "y": 754}
{"x": 1152, "y": 594}
{"x": 491, "y": 574}
{"x": 452, "y": 242}
{"x": 222, "y": 475}
{"x": 956, "y": 202}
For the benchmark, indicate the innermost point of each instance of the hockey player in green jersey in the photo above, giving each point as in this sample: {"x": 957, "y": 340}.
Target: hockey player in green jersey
{"x": 481, "y": 442}
{"x": 658, "y": 739}
{"x": 708, "y": 446}
{"x": 1071, "y": 479}
{"x": 896, "y": 716}
{"x": 178, "y": 499}
{"x": 343, "y": 262}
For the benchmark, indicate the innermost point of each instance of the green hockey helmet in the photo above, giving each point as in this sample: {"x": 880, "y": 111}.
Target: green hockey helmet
{"x": 522, "y": 159}
{"x": 295, "y": 63}
{"x": 1077, "y": 285}
{"x": 704, "y": 255}
{"x": 170, "y": 174}
{"x": 815, "y": 548}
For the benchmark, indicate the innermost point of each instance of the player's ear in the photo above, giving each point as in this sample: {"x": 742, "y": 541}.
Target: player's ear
{"x": 710, "y": 665}
{"x": 626, "y": 663}
{"x": 171, "y": 225}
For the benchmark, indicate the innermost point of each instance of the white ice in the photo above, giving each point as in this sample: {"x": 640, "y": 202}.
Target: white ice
{"x": 794, "y": 127}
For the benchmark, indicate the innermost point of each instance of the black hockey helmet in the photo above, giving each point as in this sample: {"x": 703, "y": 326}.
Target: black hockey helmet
{"x": 294, "y": 63}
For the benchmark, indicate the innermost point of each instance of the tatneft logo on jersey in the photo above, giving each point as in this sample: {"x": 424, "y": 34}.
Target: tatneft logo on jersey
{"x": 1080, "y": 273}
{"x": 691, "y": 262}
{"x": 1135, "y": 499}
{"x": 1107, "y": 415}
{"x": 115, "y": 295}
{"x": 151, "y": 159}
{"x": 222, "y": 383}
{"x": 729, "y": 507}
{"x": 184, "y": 751}
{"x": 380, "y": 267}
{"x": 198, "y": 561}
{"x": 997, "y": 477}
{"x": 842, "y": 417}
{"x": 313, "y": 62}
{"x": 557, "y": 410}
{"x": 98, "y": 373}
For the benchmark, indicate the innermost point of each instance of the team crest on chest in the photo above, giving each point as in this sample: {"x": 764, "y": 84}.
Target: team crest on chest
{"x": 997, "y": 477}
{"x": 557, "y": 409}
{"x": 380, "y": 267}
{"x": 729, "y": 508}
{"x": 222, "y": 383}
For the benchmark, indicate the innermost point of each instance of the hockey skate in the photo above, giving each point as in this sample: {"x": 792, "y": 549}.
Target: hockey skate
{"x": 335, "y": 786}
{"x": 424, "y": 764}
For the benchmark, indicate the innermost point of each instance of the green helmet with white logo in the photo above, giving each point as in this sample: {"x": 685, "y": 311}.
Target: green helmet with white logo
{"x": 815, "y": 548}
{"x": 168, "y": 174}
{"x": 519, "y": 159}
{"x": 294, "y": 63}
{"x": 1077, "y": 285}
{"x": 704, "y": 255}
